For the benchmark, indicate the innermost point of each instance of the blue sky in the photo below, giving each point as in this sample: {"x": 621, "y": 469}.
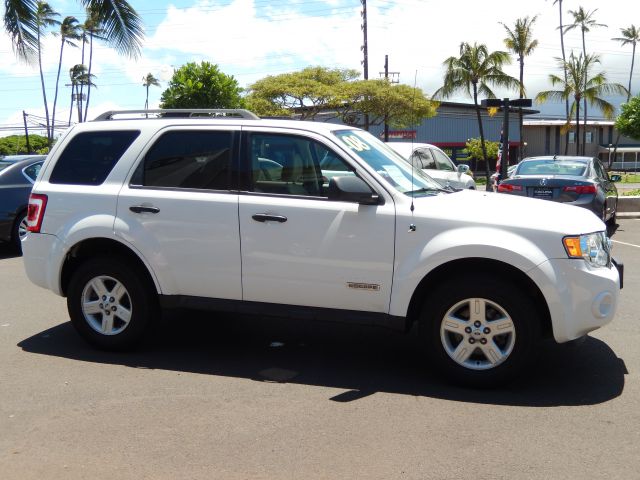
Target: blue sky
{"x": 250, "y": 39}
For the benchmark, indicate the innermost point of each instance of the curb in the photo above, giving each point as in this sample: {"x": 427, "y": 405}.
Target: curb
{"x": 625, "y": 215}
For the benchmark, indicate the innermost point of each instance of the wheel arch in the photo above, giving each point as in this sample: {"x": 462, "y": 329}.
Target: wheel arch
{"x": 92, "y": 247}
{"x": 460, "y": 267}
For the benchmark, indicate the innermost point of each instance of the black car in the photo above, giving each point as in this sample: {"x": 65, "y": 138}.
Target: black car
{"x": 580, "y": 181}
{"x": 17, "y": 175}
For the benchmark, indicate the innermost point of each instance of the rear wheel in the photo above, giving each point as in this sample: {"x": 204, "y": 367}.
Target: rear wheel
{"x": 480, "y": 331}
{"x": 110, "y": 303}
{"x": 19, "y": 230}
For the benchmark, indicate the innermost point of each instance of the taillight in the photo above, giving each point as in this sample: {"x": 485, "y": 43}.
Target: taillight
{"x": 580, "y": 189}
{"x": 35, "y": 211}
{"x": 507, "y": 187}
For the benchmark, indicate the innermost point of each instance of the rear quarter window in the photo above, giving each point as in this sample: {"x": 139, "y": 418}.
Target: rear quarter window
{"x": 90, "y": 156}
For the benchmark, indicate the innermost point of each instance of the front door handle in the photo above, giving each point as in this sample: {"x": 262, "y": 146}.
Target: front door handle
{"x": 144, "y": 209}
{"x": 265, "y": 217}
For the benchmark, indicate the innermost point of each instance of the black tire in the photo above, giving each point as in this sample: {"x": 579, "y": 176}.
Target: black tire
{"x": 517, "y": 346}
{"x": 125, "y": 318}
{"x": 15, "y": 231}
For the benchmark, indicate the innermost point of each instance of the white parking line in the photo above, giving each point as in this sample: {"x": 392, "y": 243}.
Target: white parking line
{"x": 625, "y": 243}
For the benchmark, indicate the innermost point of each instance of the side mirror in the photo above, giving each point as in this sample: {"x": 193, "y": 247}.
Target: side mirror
{"x": 352, "y": 189}
{"x": 462, "y": 168}
{"x": 615, "y": 177}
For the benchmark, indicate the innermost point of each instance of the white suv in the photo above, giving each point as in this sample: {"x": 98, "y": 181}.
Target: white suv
{"x": 233, "y": 213}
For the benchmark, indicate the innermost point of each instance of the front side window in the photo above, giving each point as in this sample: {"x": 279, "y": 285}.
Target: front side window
{"x": 90, "y": 156}
{"x": 443, "y": 162}
{"x": 188, "y": 159}
{"x": 422, "y": 158}
{"x": 293, "y": 165}
{"x": 396, "y": 171}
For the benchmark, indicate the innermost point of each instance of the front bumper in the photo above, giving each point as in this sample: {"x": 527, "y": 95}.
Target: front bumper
{"x": 580, "y": 298}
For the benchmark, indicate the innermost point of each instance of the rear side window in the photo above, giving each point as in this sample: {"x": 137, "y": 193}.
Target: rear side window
{"x": 188, "y": 159}
{"x": 90, "y": 156}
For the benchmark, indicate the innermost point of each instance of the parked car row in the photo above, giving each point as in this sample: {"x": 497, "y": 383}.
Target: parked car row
{"x": 17, "y": 176}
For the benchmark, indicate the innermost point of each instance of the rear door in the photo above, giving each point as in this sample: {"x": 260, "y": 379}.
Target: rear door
{"x": 180, "y": 211}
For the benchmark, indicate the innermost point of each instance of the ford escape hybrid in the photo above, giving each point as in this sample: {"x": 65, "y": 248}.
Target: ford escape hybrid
{"x": 225, "y": 211}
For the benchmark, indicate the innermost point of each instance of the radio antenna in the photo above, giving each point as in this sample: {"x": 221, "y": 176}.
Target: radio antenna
{"x": 412, "y": 226}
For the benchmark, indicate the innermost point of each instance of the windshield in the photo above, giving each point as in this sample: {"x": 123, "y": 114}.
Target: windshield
{"x": 396, "y": 171}
{"x": 551, "y": 167}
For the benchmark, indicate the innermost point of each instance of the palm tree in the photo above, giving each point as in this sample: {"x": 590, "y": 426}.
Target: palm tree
{"x": 91, "y": 28}
{"x": 584, "y": 20}
{"x": 79, "y": 77}
{"x": 564, "y": 59}
{"x": 121, "y": 23}
{"x": 68, "y": 33}
{"x": 581, "y": 86}
{"x": 45, "y": 18}
{"x": 521, "y": 42}
{"x": 473, "y": 72}
{"x": 630, "y": 35}
{"x": 147, "y": 81}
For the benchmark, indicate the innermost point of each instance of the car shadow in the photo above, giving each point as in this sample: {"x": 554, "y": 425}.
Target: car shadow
{"x": 360, "y": 360}
{"x": 7, "y": 250}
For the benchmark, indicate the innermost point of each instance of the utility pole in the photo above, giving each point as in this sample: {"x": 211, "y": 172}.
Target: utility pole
{"x": 395, "y": 78}
{"x": 365, "y": 52}
{"x": 26, "y": 130}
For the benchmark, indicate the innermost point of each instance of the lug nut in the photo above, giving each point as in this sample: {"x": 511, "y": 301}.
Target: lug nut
{"x": 468, "y": 329}
{"x": 113, "y": 309}
{"x": 483, "y": 341}
{"x": 486, "y": 330}
{"x": 100, "y": 305}
{"x": 107, "y": 313}
{"x": 104, "y": 297}
{"x": 477, "y": 323}
{"x": 472, "y": 340}
{"x": 112, "y": 299}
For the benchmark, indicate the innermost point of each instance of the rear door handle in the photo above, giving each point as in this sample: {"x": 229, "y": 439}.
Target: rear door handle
{"x": 144, "y": 209}
{"x": 265, "y": 217}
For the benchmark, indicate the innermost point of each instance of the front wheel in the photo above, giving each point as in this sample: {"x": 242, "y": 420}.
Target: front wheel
{"x": 480, "y": 331}
{"x": 19, "y": 230}
{"x": 110, "y": 303}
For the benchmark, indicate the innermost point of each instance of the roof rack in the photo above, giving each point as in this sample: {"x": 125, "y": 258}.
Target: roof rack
{"x": 180, "y": 113}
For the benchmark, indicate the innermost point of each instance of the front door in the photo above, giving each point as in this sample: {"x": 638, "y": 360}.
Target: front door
{"x": 298, "y": 247}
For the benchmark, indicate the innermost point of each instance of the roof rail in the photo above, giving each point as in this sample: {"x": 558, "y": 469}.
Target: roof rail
{"x": 180, "y": 113}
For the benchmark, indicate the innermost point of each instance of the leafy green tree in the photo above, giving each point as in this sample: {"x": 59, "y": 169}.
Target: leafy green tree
{"x": 520, "y": 41}
{"x": 474, "y": 149}
{"x": 45, "y": 17}
{"x": 580, "y": 85}
{"x": 79, "y": 77}
{"x": 473, "y": 72}
{"x": 201, "y": 86}
{"x": 121, "y": 24}
{"x": 584, "y": 20}
{"x": 628, "y": 122}
{"x": 309, "y": 91}
{"x": 149, "y": 81}
{"x": 17, "y": 144}
{"x": 69, "y": 31}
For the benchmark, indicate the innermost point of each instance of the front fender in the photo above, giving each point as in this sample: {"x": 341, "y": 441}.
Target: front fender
{"x": 415, "y": 259}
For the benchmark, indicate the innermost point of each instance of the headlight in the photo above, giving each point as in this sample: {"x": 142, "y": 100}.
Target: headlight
{"x": 595, "y": 248}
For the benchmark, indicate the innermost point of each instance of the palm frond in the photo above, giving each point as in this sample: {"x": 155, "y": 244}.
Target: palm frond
{"x": 121, "y": 24}
{"x": 20, "y": 24}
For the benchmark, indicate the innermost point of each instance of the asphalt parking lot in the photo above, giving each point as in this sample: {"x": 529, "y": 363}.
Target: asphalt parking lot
{"x": 263, "y": 399}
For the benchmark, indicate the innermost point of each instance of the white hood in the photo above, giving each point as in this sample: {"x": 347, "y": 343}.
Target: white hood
{"x": 506, "y": 211}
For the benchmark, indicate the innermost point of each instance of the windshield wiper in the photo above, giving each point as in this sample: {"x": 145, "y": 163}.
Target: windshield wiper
{"x": 430, "y": 190}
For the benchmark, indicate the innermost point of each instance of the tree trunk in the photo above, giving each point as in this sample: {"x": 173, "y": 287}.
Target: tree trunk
{"x": 86, "y": 106}
{"x": 71, "y": 104}
{"x": 44, "y": 93}
{"x": 482, "y": 145}
{"x": 520, "y": 116}
{"x": 577, "y": 127}
{"x": 586, "y": 76}
{"x": 615, "y": 148}
{"x": 564, "y": 59}
{"x": 55, "y": 97}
